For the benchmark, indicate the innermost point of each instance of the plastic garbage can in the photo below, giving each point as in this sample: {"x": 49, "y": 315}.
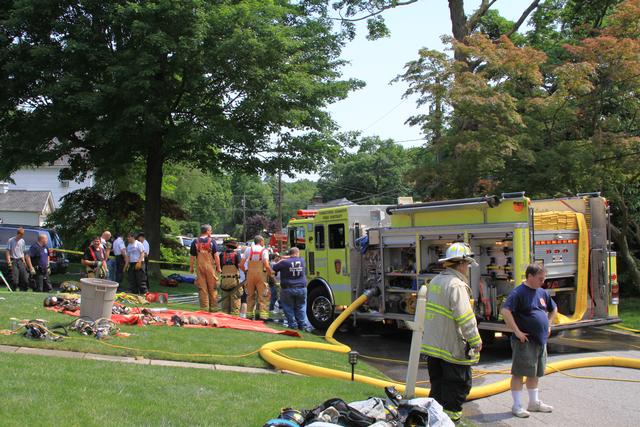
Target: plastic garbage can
{"x": 97, "y": 296}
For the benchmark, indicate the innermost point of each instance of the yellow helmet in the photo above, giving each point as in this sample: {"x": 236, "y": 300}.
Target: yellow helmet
{"x": 459, "y": 251}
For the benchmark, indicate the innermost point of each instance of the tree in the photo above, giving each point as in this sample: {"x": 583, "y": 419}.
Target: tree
{"x": 462, "y": 25}
{"x": 297, "y": 195}
{"x": 549, "y": 125}
{"x": 209, "y": 83}
{"x": 373, "y": 174}
{"x": 206, "y": 197}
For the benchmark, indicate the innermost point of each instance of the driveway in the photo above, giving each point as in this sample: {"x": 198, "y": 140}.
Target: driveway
{"x": 577, "y": 401}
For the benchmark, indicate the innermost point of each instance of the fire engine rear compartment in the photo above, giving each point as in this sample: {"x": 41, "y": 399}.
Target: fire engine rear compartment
{"x": 580, "y": 268}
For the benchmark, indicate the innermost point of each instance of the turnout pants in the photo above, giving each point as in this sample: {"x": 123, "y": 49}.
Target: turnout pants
{"x": 206, "y": 281}
{"x": 41, "y": 280}
{"x": 257, "y": 291}
{"x": 231, "y": 301}
{"x": 450, "y": 385}
{"x": 230, "y": 289}
{"x": 137, "y": 279}
{"x": 19, "y": 275}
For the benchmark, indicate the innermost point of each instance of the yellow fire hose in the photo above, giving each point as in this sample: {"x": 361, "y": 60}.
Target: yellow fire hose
{"x": 583, "y": 272}
{"x": 270, "y": 353}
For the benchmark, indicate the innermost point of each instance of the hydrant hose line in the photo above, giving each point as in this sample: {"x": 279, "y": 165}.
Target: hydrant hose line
{"x": 269, "y": 352}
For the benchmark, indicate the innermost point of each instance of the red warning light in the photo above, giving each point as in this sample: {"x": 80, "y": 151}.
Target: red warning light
{"x": 305, "y": 213}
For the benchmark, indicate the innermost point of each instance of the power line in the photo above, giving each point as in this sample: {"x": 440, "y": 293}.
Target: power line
{"x": 375, "y": 122}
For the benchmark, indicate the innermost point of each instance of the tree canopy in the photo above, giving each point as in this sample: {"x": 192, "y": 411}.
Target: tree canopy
{"x": 373, "y": 174}
{"x": 217, "y": 84}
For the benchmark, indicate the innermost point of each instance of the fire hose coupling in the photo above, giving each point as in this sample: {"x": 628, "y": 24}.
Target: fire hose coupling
{"x": 371, "y": 292}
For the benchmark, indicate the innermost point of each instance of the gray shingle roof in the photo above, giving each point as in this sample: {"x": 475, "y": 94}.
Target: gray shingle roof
{"x": 23, "y": 201}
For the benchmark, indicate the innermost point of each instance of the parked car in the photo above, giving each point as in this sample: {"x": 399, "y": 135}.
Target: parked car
{"x": 57, "y": 260}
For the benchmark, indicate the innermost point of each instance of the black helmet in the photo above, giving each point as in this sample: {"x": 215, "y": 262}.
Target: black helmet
{"x": 292, "y": 415}
{"x": 231, "y": 242}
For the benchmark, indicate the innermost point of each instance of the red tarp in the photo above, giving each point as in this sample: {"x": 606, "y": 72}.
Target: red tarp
{"x": 216, "y": 320}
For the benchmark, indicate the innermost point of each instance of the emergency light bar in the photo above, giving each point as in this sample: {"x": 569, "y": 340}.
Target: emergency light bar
{"x": 306, "y": 213}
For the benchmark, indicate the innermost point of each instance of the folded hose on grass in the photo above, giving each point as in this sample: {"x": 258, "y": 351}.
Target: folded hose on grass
{"x": 270, "y": 352}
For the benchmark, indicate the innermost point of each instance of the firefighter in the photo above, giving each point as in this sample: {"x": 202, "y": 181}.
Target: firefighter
{"x": 204, "y": 251}
{"x": 95, "y": 260}
{"x": 255, "y": 263}
{"x": 451, "y": 339}
{"x": 230, "y": 277}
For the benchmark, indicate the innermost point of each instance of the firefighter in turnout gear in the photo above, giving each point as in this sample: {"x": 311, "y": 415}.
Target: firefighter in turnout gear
{"x": 95, "y": 260}
{"x": 451, "y": 339}
{"x": 230, "y": 277}
{"x": 255, "y": 263}
{"x": 204, "y": 252}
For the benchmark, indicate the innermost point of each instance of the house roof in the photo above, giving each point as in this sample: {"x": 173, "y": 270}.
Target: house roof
{"x": 24, "y": 201}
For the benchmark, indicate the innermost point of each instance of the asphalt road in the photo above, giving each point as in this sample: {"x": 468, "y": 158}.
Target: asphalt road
{"x": 577, "y": 401}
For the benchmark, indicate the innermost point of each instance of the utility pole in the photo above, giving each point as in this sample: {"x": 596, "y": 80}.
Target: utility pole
{"x": 244, "y": 217}
{"x": 279, "y": 201}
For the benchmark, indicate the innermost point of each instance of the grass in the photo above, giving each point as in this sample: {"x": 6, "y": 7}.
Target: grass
{"x": 41, "y": 390}
{"x": 211, "y": 345}
{"x": 630, "y": 312}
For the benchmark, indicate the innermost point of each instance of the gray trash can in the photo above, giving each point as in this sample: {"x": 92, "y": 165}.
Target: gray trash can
{"x": 97, "y": 298}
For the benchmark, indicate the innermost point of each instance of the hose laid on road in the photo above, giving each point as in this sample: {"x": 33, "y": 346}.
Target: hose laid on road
{"x": 270, "y": 352}
{"x": 624, "y": 328}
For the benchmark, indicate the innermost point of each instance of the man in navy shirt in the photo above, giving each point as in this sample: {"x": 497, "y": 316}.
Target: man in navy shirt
{"x": 529, "y": 311}
{"x": 293, "y": 295}
{"x": 38, "y": 262}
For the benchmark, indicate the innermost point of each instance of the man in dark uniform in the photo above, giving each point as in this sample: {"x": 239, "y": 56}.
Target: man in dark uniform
{"x": 38, "y": 263}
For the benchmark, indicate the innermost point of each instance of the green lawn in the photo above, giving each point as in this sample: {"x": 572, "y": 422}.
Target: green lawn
{"x": 42, "y": 391}
{"x": 218, "y": 345}
{"x": 630, "y": 312}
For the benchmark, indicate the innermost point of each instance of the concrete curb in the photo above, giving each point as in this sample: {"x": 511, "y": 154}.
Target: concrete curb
{"x": 134, "y": 360}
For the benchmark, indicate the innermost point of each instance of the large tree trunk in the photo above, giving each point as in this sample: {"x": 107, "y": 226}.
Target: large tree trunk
{"x": 459, "y": 27}
{"x": 152, "y": 214}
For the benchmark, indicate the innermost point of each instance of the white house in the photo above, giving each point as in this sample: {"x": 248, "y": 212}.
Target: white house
{"x": 25, "y": 207}
{"x": 45, "y": 178}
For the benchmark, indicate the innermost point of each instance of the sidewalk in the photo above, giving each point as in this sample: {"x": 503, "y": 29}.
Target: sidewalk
{"x": 134, "y": 360}
{"x": 576, "y": 401}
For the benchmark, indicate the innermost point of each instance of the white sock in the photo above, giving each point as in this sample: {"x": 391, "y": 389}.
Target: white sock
{"x": 533, "y": 395}
{"x": 517, "y": 398}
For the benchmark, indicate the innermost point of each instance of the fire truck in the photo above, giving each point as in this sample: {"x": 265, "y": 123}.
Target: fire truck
{"x": 395, "y": 249}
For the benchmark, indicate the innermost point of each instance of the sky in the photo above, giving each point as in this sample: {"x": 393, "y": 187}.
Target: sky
{"x": 378, "y": 108}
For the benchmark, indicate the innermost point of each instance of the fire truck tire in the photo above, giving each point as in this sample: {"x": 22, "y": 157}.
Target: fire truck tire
{"x": 320, "y": 308}
{"x": 487, "y": 337}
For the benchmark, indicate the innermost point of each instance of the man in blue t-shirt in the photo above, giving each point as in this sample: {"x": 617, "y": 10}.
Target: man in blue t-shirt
{"x": 529, "y": 311}
{"x": 293, "y": 295}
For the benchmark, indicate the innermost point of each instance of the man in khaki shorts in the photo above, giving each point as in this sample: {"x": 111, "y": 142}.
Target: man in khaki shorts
{"x": 529, "y": 311}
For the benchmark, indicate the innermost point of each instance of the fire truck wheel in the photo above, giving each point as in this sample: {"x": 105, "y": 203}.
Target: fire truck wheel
{"x": 320, "y": 308}
{"x": 487, "y": 337}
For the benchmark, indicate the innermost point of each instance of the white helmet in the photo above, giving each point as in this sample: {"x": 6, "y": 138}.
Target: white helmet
{"x": 459, "y": 251}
